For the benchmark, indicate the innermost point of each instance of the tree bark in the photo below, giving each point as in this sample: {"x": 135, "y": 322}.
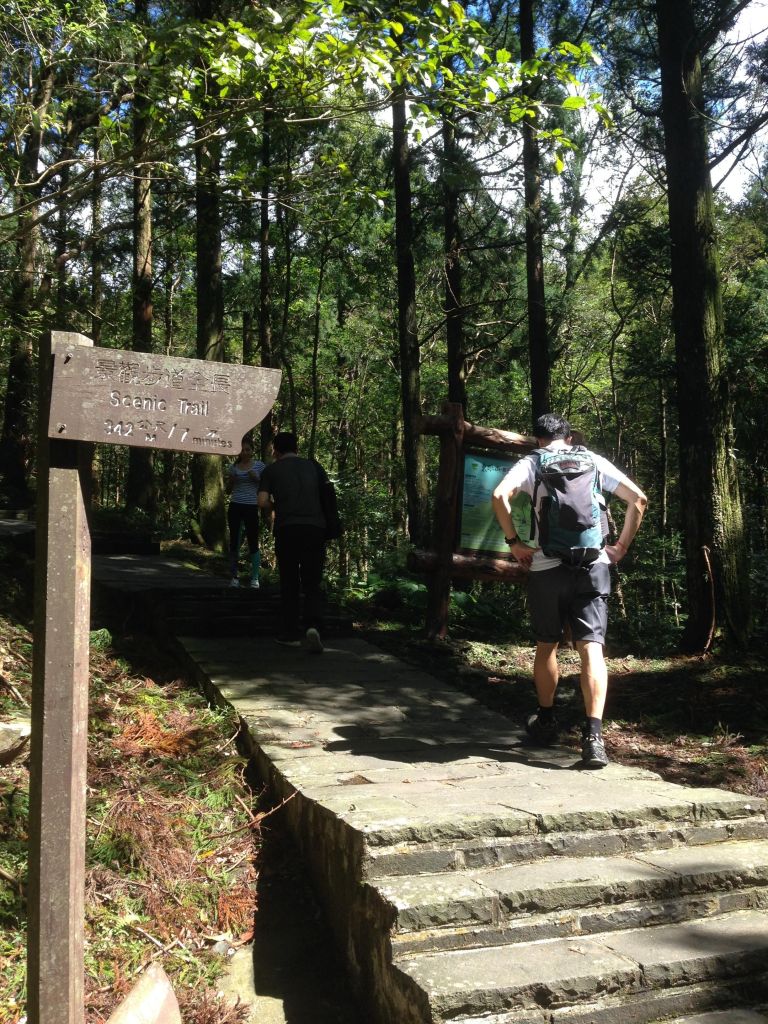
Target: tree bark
{"x": 290, "y": 402}
{"x": 97, "y": 249}
{"x": 454, "y": 318}
{"x": 140, "y": 491}
{"x": 538, "y": 337}
{"x": 410, "y": 379}
{"x": 206, "y": 471}
{"x": 17, "y": 440}
{"x": 316, "y": 327}
{"x": 711, "y": 502}
{"x": 267, "y": 425}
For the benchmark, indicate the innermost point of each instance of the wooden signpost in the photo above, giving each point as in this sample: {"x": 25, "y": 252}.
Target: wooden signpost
{"x": 188, "y": 405}
{"x": 468, "y": 543}
{"x": 94, "y": 394}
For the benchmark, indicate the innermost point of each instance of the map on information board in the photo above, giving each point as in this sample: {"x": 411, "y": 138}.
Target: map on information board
{"x": 479, "y": 532}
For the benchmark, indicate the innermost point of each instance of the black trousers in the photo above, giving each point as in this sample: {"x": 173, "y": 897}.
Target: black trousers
{"x": 237, "y": 516}
{"x": 300, "y": 553}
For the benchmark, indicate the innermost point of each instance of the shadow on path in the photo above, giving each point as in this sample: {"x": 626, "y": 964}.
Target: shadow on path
{"x": 298, "y": 976}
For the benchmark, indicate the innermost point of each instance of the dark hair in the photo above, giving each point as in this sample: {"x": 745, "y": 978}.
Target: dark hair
{"x": 285, "y": 442}
{"x": 551, "y": 427}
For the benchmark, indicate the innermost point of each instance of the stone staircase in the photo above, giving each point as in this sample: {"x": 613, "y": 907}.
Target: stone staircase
{"x": 470, "y": 879}
{"x": 626, "y": 925}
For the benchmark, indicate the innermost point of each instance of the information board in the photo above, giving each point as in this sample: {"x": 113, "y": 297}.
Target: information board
{"x": 479, "y": 532}
{"x": 155, "y": 401}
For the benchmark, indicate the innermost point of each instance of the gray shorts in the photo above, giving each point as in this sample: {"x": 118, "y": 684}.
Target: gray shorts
{"x": 578, "y": 597}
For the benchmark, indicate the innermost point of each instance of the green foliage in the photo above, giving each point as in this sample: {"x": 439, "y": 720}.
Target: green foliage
{"x": 314, "y": 81}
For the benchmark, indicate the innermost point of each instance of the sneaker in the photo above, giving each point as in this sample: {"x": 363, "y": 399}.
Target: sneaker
{"x": 287, "y": 640}
{"x": 234, "y": 582}
{"x": 543, "y": 732}
{"x": 255, "y": 584}
{"x": 593, "y": 753}
{"x": 312, "y": 641}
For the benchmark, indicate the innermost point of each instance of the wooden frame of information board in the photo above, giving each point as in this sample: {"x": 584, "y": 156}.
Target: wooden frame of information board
{"x": 89, "y": 394}
{"x": 445, "y": 562}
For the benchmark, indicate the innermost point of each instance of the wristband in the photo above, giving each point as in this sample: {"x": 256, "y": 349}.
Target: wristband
{"x": 511, "y": 540}
{"x": 621, "y": 544}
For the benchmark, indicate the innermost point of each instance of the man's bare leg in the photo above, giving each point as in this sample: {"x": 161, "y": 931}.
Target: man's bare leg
{"x": 594, "y": 677}
{"x": 545, "y": 673}
{"x": 594, "y": 688}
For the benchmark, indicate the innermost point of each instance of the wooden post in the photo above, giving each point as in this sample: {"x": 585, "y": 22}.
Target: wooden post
{"x": 443, "y": 563}
{"x": 446, "y": 497}
{"x": 470, "y": 567}
{"x": 59, "y": 722}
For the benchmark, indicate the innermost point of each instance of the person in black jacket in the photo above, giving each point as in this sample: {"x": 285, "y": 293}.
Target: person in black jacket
{"x": 290, "y": 487}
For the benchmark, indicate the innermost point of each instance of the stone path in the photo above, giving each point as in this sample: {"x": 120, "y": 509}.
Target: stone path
{"x": 469, "y": 878}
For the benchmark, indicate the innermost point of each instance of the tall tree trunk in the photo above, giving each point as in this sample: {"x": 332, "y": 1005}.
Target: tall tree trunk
{"x": 140, "y": 491}
{"x": 410, "y": 379}
{"x": 454, "y": 316}
{"x": 267, "y": 425}
{"x": 316, "y": 326}
{"x": 209, "y": 487}
{"x": 97, "y": 248}
{"x": 538, "y": 338}
{"x": 712, "y": 515}
{"x": 285, "y": 360}
{"x": 17, "y": 439}
{"x": 249, "y": 348}
{"x": 346, "y": 374}
{"x": 60, "y": 316}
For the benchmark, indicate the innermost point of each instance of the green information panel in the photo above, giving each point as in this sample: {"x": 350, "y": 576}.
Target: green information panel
{"x": 479, "y": 532}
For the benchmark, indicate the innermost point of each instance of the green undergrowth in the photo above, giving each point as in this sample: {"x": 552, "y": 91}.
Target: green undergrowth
{"x": 172, "y": 844}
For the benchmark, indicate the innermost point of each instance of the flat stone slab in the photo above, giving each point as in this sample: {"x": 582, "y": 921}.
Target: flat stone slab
{"x": 723, "y": 1017}
{"x": 14, "y": 738}
{"x": 500, "y": 895}
{"x": 429, "y": 764}
{"x": 568, "y": 972}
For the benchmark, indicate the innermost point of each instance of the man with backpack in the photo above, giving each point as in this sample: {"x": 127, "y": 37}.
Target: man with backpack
{"x": 569, "y": 579}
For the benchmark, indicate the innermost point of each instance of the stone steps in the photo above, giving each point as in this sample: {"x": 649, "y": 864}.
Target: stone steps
{"x": 470, "y": 879}
{"x": 716, "y": 816}
{"x": 709, "y": 1003}
{"x": 232, "y": 612}
{"x": 534, "y": 928}
{"x": 571, "y": 896}
{"x": 731, "y": 1016}
{"x": 568, "y": 978}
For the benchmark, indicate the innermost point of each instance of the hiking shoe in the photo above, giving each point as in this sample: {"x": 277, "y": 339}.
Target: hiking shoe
{"x": 312, "y": 641}
{"x": 255, "y": 584}
{"x": 544, "y": 732}
{"x": 234, "y": 582}
{"x": 288, "y": 640}
{"x": 593, "y": 753}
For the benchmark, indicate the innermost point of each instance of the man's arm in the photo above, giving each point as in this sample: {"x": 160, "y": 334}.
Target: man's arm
{"x": 501, "y": 501}
{"x": 636, "y": 503}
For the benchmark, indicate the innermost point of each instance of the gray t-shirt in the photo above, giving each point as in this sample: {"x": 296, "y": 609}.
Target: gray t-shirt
{"x": 294, "y": 484}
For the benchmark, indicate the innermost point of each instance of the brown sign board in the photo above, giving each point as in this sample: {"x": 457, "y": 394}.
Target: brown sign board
{"x": 155, "y": 401}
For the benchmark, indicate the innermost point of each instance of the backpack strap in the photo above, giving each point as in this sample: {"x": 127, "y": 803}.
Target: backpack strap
{"x": 535, "y": 526}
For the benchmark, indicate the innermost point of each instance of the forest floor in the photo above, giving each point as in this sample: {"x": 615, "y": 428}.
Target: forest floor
{"x": 174, "y": 850}
{"x": 172, "y": 844}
